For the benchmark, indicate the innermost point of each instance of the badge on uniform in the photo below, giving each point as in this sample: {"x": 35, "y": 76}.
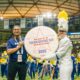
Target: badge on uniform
{"x": 19, "y": 58}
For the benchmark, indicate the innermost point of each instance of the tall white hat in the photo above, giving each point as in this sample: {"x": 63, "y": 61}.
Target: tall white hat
{"x": 63, "y": 21}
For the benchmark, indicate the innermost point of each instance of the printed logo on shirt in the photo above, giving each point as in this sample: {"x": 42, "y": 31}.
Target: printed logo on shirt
{"x": 16, "y": 43}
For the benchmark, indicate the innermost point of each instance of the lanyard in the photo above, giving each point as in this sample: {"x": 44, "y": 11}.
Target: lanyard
{"x": 21, "y": 49}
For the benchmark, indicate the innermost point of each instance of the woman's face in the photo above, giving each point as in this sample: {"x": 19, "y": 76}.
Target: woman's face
{"x": 16, "y": 31}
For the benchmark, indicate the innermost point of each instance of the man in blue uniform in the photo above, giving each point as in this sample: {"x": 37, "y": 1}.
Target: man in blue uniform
{"x": 17, "y": 55}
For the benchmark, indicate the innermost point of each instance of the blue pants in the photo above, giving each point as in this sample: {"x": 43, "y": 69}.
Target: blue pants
{"x": 32, "y": 70}
{"x": 56, "y": 71}
{"x": 39, "y": 68}
{"x": 14, "y": 68}
{"x": 78, "y": 69}
{"x": 3, "y": 69}
{"x": 73, "y": 71}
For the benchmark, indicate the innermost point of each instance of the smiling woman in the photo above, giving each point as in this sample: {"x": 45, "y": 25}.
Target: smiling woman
{"x": 17, "y": 55}
{"x": 16, "y": 30}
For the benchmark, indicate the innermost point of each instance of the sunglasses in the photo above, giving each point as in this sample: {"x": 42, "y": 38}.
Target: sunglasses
{"x": 61, "y": 31}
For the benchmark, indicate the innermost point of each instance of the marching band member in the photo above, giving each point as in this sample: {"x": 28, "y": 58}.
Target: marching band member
{"x": 64, "y": 48}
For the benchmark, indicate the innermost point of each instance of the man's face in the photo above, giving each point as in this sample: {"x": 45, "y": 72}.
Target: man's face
{"x": 16, "y": 31}
{"x": 60, "y": 34}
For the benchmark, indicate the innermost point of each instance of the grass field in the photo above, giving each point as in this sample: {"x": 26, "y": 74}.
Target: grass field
{"x": 45, "y": 78}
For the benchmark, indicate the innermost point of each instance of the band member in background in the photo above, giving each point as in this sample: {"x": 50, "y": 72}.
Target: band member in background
{"x": 17, "y": 55}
